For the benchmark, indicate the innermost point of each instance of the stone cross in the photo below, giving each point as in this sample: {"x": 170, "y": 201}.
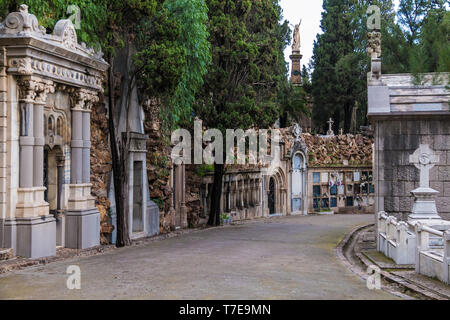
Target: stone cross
{"x": 330, "y": 130}
{"x": 341, "y": 132}
{"x": 424, "y": 159}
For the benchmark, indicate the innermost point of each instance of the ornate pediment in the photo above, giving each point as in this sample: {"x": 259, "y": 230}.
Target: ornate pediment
{"x": 56, "y": 56}
{"x": 21, "y": 22}
{"x": 65, "y": 30}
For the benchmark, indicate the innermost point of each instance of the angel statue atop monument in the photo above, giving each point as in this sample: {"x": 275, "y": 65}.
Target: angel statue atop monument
{"x": 296, "y": 38}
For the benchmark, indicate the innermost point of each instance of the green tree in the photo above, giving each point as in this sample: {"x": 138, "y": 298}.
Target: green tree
{"x": 332, "y": 49}
{"x": 432, "y": 52}
{"x": 242, "y": 84}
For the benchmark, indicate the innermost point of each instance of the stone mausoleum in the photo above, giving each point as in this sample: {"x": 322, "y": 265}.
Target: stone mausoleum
{"x": 48, "y": 84}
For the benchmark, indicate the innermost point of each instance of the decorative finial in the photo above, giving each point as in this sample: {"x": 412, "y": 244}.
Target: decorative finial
{"x": 297, "y": 131}
{"x": 23, "y": 8}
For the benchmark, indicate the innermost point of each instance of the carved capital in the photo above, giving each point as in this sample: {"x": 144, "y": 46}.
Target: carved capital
{"x": 43, "y": 89}
{"x": 28, "y": 89}
{"x": 83, "y": 99}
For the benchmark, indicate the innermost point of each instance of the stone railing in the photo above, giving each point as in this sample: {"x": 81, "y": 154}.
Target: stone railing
{"x": 431, "y": 260}
{"x": 395, "y": 240}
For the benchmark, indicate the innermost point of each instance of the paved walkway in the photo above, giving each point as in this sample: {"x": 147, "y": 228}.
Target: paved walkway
{"x": 284, "y": 258}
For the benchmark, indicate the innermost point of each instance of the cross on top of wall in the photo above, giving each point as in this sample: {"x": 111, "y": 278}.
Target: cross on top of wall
{"x": 424, "y": 159}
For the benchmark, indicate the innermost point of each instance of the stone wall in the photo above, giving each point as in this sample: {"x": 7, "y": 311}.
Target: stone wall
{"x": 101, "y": 166}
{"x": 396, "y": 140}
{"x": 193, "y": 203}
{"x": 159, "y": 164}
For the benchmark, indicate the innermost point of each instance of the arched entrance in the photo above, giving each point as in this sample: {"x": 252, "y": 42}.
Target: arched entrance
{"x": 271, "y": 199}
{"x": 298, "y": 186}
{"x": 53, "y": 178}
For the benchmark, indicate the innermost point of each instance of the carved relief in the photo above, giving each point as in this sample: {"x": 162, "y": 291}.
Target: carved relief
{"x": 65, "y": 30}
{"x": 374, "y": 39}
{"x": 28, "y": 66}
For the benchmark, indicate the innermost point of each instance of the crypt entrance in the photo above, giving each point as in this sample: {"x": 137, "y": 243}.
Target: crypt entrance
{"x": 271, "y": 196}
{"x": 48, "y": 85}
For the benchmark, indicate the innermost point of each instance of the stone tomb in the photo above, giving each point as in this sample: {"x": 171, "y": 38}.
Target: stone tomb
{"x": 48, "y": 84}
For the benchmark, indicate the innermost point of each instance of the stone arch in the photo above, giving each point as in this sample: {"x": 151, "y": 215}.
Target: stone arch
{"x": 298, "y": 182}
{"x": 276, "y": 184}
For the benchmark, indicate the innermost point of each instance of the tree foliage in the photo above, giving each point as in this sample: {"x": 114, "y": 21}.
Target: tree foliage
{"x": 242, "y": 83}
{"x": 414, "y": 40}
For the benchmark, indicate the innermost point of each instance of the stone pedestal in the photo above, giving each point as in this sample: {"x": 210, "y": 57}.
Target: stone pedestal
{"x": 31, "y": 202}
{"x": 424, "y": 205}
{"x": 296, "y": 76}
{"x": 37, "y": 237}
{"x": 82, "y": 229}
{"x": 80, "y": 197}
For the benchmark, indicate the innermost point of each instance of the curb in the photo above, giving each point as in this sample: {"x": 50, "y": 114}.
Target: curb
{"x": 403, "y": 283}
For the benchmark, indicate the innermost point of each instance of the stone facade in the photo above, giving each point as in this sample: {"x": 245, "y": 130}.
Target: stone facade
{"x": 405, "y": 116}
{"x": 398, "y": 138}
{"x": 48, "y": 85}
{"x": 302, "y": 182}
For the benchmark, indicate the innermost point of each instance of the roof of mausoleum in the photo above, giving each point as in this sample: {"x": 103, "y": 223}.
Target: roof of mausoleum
{"x": 408, "y": 94}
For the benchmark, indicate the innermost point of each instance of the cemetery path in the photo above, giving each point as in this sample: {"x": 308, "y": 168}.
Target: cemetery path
{"x": 282, "y": 258}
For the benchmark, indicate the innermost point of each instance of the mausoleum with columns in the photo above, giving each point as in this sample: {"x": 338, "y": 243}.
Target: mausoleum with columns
{"x": 48, "y": 84}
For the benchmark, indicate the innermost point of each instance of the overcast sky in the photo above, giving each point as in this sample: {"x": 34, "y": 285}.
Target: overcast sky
{"x": 310, "y": 12}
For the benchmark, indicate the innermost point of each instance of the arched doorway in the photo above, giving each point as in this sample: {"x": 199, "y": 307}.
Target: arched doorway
{"x": 54, "y": 178}
{"x": 271, "y": 200}
{"x": 298, "y": 183}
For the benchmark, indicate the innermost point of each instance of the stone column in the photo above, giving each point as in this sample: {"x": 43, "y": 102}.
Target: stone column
{"x": 232, "y": 195}
{"x": 82, "y": 227}
{"x": 32, "y": 219}
{"x": 26, "y": 140}
{"x": 38, "y": 129}
{"x": 77, "y": 144}
{"x": 86, "y": 153}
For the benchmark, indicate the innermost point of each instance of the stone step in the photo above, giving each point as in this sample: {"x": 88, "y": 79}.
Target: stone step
{"x": 6, "y": 254}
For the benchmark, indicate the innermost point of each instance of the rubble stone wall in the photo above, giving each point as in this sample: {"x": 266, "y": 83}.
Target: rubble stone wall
{"x": 396, "y": 177}
{"x": 101, "y": 166}
{"x": 159, "y": 165}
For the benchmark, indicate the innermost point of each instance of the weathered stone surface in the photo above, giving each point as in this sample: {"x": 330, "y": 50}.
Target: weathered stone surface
{"x": 438, "y": 186}
{"x": 398, "y": 189}
{"x": 443, "y": 204}
{"x": 406, "y": 204}
{"x": 447, "y": 189}
{"x": 391, "y": 204}
{"x": 444, "y": 173}
{"x": 403, "y": 173}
